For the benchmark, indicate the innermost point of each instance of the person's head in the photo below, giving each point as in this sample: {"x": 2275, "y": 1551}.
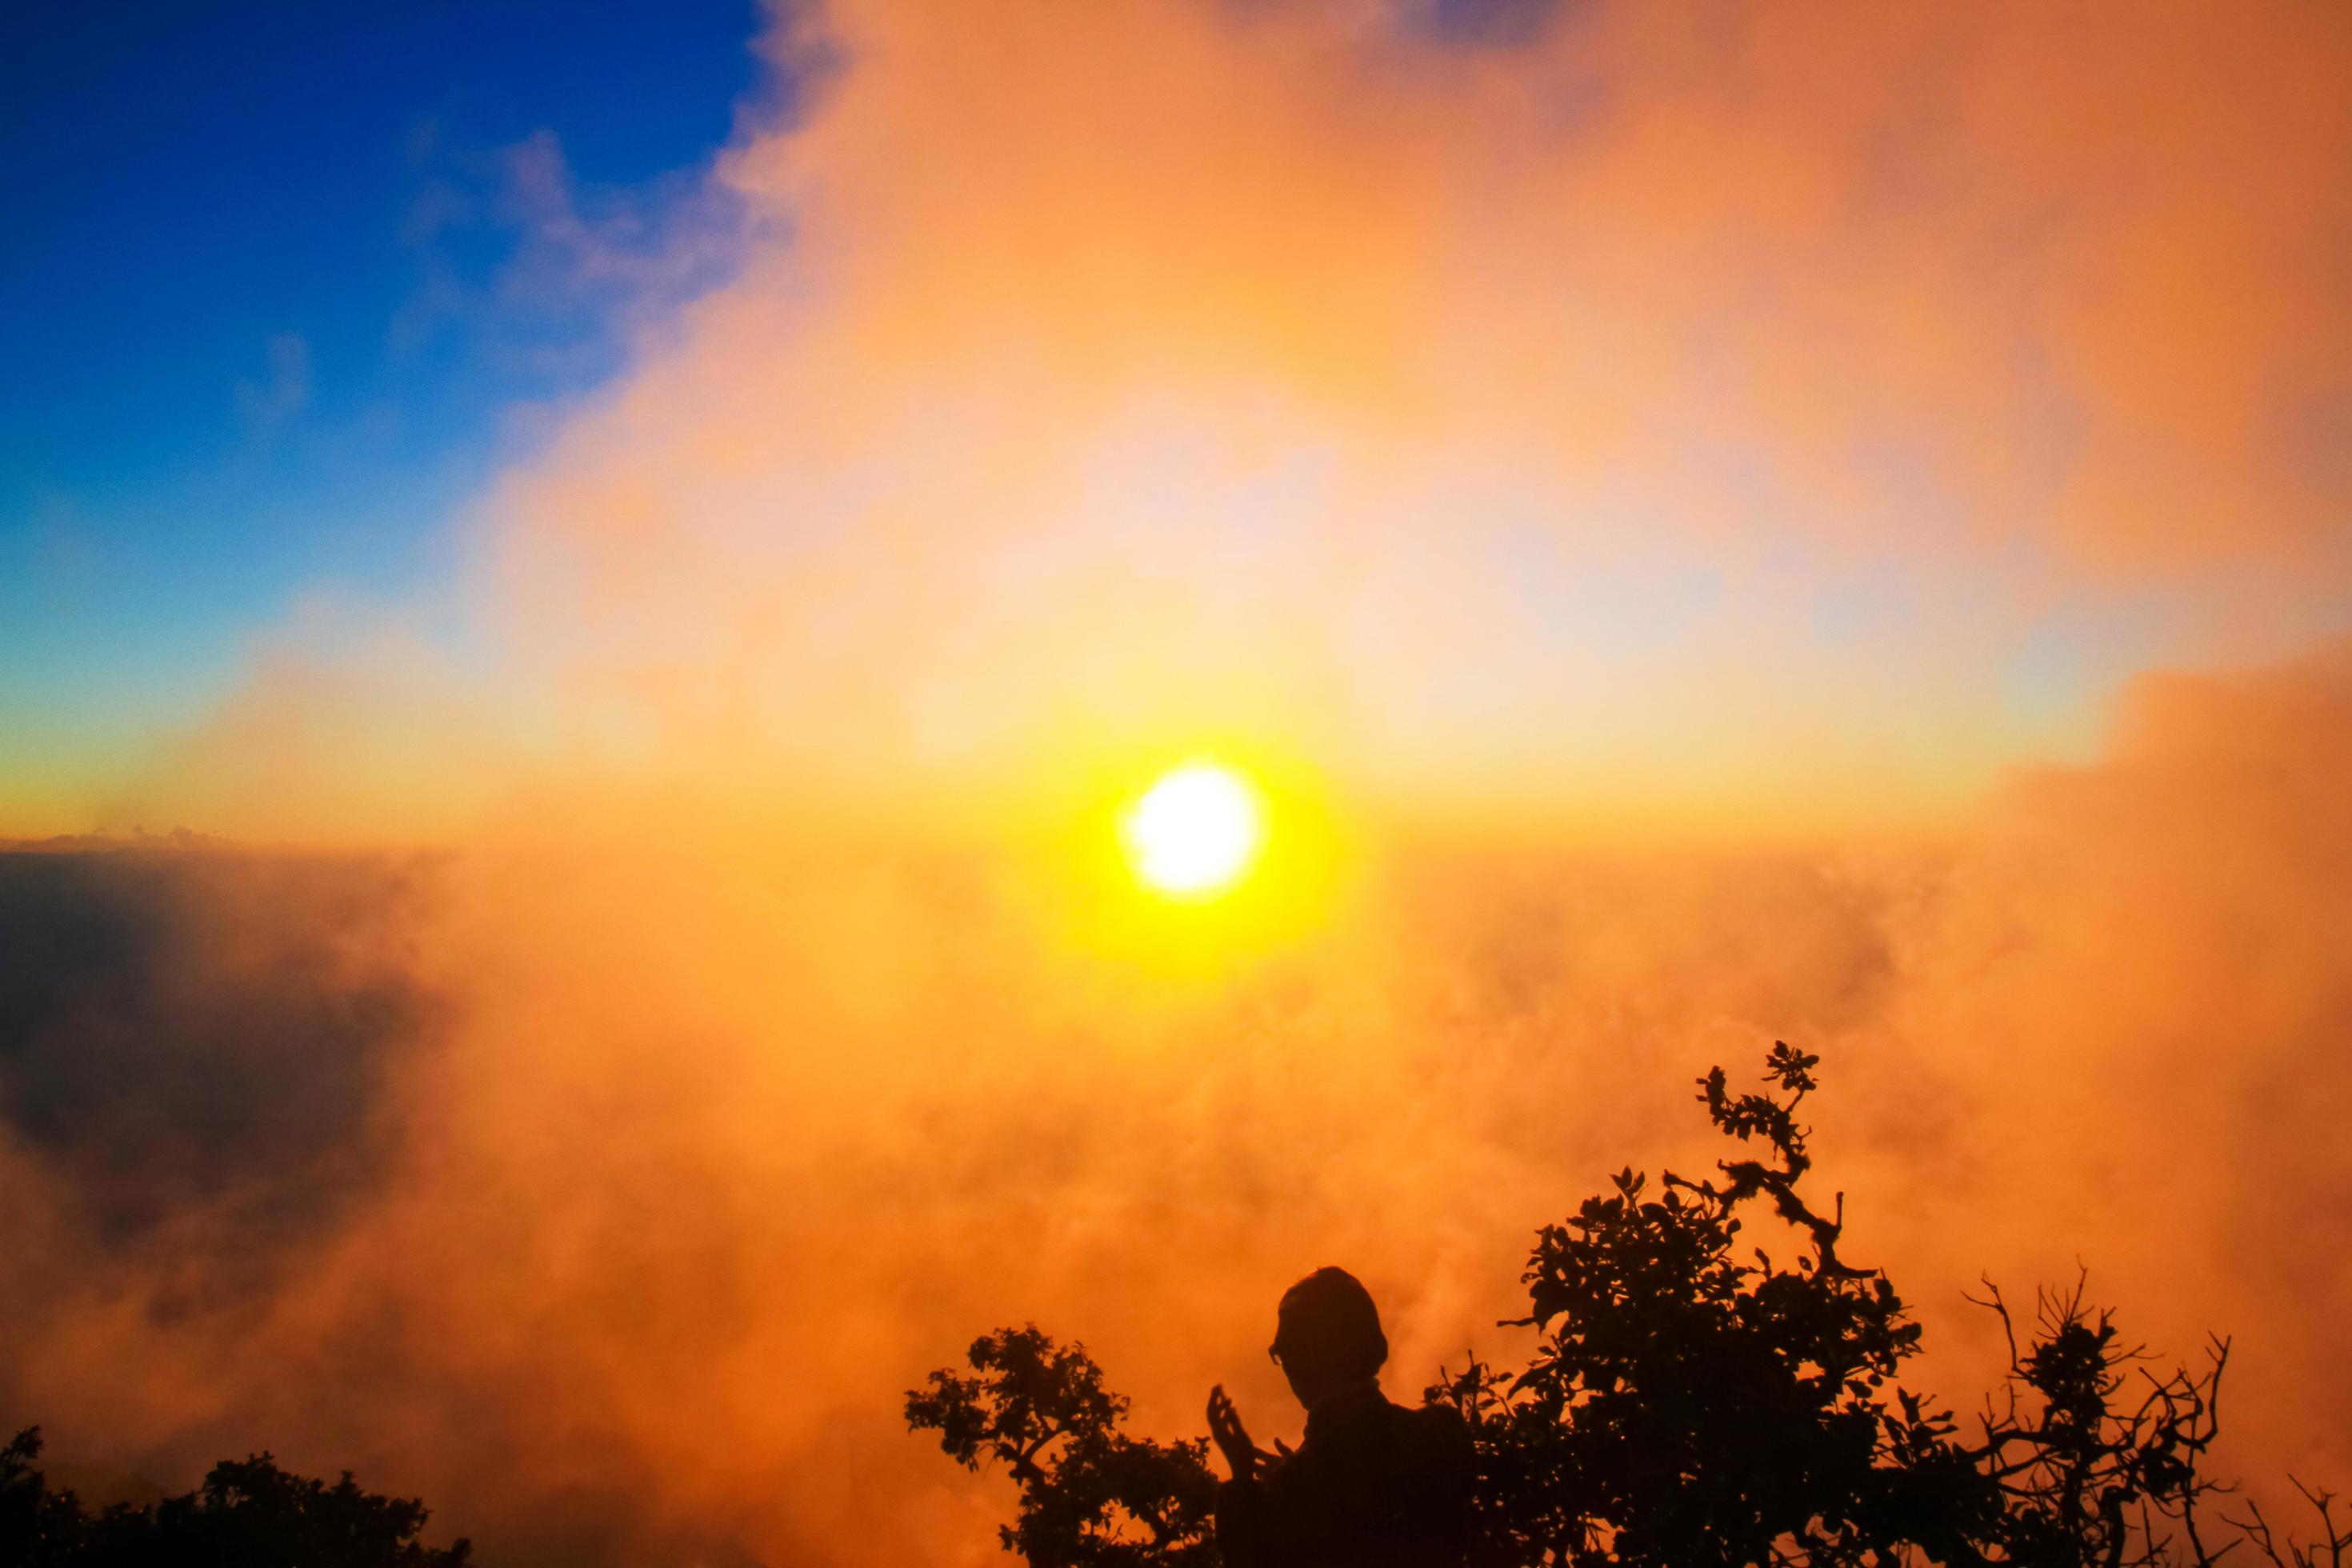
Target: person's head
{"x": 1327, "y": 1335}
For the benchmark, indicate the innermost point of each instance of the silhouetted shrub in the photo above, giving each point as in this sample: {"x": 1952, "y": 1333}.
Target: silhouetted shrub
{"x": 1691, "y": 1404}
{"x": 1091, "y": 1497}
{"x": 248, "y": 1514}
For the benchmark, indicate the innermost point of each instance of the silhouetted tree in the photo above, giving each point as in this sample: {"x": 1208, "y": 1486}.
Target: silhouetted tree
{"x": 1686, "y": 1406}
{"x": 1693, "y": 1403}
{"x": 248, "y": 1514}
{"x": 1091, "y": 1496}
{"x": 36, "y": 1525}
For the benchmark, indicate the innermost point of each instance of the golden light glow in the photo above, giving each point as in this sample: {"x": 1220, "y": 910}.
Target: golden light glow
{"x": 1195, "y": 832}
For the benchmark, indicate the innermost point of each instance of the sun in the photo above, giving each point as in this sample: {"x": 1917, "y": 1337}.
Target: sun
{"x": 1195, "y": 831}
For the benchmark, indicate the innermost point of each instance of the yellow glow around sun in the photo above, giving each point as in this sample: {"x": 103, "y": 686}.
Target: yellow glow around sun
{"x": 1195, "y": 832}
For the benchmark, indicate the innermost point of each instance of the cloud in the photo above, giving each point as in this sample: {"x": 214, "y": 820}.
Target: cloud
{"x": 545, "y": 275}
{"x": 689, "y": 1149}
{"x": 1624, "y": 414}
{"x": 181, "y": 1029}
{"x": 1602, "y": 410}
{"x": 1611, "y": 469}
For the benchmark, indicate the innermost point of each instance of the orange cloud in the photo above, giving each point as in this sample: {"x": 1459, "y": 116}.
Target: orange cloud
{"x": 1616, "y": 404}
{"x": 1610, "y": 476}
{"x": 691, "y": 1148}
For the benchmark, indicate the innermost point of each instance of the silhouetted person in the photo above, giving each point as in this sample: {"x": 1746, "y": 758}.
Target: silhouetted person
{"x": 1372, "y": 1484}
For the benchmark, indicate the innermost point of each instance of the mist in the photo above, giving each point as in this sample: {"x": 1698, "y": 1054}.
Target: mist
{"x": 1824, "y": 526}
{"x": 678, "y": 1157}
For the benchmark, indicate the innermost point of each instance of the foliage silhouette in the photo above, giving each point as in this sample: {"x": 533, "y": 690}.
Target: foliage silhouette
{"x": 1690, "y": 1405}
{"x": 248, "y": 1513}
{"x": 1091, "y": 1497}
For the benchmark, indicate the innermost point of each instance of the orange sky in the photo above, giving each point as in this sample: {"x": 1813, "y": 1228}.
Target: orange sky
{"x": 1710, "y": 525}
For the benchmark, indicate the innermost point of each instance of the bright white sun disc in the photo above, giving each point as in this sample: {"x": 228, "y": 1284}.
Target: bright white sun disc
{"x": 1195, "y": 831}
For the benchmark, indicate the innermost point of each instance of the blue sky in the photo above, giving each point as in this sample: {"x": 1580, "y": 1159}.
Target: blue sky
{"x": 276, "y": 277}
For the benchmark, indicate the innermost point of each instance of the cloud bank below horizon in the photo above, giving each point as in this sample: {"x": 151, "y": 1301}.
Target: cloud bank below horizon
{"x": 609, "y": 1198}
{"x": 1653, "y": 489}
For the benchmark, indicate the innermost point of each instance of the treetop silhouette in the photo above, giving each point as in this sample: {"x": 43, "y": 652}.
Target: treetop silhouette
{"x": 1693, "y": 1402}
{"x": 248, "y": 1513}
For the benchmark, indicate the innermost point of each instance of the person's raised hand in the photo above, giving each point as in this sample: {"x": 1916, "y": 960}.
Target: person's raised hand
{"x": 1232, "y": 1438}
